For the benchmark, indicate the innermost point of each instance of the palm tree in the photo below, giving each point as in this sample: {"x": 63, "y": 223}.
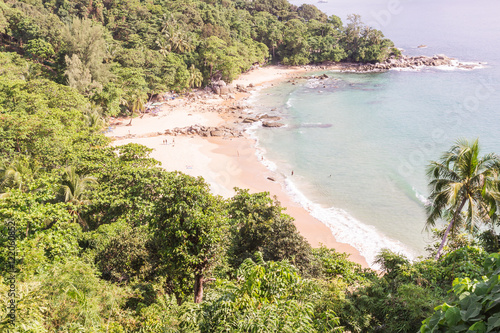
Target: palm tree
{"x": 94, "y": 120}
{"x": 195, "y": 77}
{"x": 464, "y": 187}
{"x": 17, "y": 173}
{"x": 75, "y": 189}
{"x": 136, "y": 103}
{"x": 165, "y": 48}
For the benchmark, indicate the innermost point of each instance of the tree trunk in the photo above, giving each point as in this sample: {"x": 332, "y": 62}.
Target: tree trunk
{"x": 198, "y": 288}
{"x": 438, "y": 254}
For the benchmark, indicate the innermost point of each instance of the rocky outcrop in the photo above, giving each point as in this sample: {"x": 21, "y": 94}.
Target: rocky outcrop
{"x": 205, "y": 131}
{"x": 319, "y": 77}
{"x": 221, "y": 88}
{"x": 409, "y": 62}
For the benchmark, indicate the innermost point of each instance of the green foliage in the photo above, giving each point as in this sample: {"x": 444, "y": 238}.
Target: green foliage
{"x": 476, "y": 307}
{"x": 85, "y": 48}
{"x": 258, "y": 224}
{"x": 190, "y": 231}
{"x": 84, "y": 40}
{"x": 268, "y": 297}
{"x": 65, "y": 297}
{"x": 40, "y": 49}
{"x": 125, "y": 255}
{"x": 329, "y": 264}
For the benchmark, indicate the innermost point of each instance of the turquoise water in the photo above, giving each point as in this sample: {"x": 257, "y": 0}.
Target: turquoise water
{"x": 358, "y": 144}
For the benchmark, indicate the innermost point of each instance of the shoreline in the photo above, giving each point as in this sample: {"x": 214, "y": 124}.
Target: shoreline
{"x": 225, "y": 162}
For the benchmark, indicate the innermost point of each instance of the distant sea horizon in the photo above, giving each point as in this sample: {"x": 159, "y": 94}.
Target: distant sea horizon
{"x": 359, "y": 144}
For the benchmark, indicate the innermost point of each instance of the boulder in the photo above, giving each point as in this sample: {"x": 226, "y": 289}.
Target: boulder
{"x": 272, "y": 124}
{"x": 217, "y": 133}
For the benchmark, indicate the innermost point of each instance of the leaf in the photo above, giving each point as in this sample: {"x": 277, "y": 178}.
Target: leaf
{"x": 494, "y": 300}
{"x": 452, "y": 316}
{"x": 493, "y": 322}
{"x": 472, "y": 311}
{"x": 435, "y": 319}
{"x": 479, "y": 327}
{"x": 482, "y": 289}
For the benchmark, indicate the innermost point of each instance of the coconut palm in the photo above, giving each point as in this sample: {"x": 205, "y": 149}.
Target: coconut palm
{"x": 94, "y": 120}
{"x": 195, "y": 77}
{"x": 464, "y": 188}
{"x": 75, "y": 190}
{"x": 17, "y": 173}
{"x": 165, "y": 47}
{"x": 136, "y": 104}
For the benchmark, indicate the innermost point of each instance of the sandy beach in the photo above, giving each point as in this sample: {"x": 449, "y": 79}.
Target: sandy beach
{"x": 201, "y": 135}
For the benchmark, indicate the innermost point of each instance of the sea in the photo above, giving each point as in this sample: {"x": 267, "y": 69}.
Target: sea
{"x": 355, "y": 147}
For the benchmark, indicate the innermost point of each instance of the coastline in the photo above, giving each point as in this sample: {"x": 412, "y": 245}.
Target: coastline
{"x": 224, "y": 162}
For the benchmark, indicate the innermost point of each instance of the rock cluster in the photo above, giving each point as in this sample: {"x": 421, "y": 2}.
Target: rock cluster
{"x": 320, "y": 77}
{"x": 267, "y": 120}
{"x": 221, "y": 88}
{"x": 409, "y": 62}
{"x": 221, "y": 131}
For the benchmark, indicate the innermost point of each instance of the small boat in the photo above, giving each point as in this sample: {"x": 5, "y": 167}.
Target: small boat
{"x": 322, "y": 1}
{"x": 422, "y": 46}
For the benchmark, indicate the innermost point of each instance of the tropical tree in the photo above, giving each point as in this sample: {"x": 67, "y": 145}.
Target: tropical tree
{"x": 17, "y": 173}
{"x": 195, "y": 77}
{"x": 75, "y": 189}
{"x": 190, "y": 231}
{"x": 464, "y": 188}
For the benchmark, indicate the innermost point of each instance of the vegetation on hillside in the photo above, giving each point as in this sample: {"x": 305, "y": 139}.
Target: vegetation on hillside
{"x": 107, "y": 241}
{"x": 119, "y": 53}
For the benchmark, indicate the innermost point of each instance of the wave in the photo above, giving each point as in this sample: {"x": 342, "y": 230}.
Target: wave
{"x": 347, "y": 229}
{"x": 422, "y": 198}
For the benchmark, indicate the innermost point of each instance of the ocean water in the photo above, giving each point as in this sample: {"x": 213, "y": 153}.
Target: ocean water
{"x": 359, "y": 144}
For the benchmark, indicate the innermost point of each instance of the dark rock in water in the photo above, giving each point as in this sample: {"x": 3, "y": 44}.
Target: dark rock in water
{"x": 270, "y": 124}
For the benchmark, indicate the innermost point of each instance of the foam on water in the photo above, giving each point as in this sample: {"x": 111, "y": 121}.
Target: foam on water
{"x": 421, "y": 197}
{"x": 346, "y": 229}
{"x": 260, "y": 151}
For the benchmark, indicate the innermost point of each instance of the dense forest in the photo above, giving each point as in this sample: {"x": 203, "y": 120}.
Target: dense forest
{"x": 117, "y": 53}
{"x": 107, "y": 241}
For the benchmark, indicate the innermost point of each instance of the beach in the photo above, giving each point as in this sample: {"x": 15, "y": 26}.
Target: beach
{"x": 202, "y": 134}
